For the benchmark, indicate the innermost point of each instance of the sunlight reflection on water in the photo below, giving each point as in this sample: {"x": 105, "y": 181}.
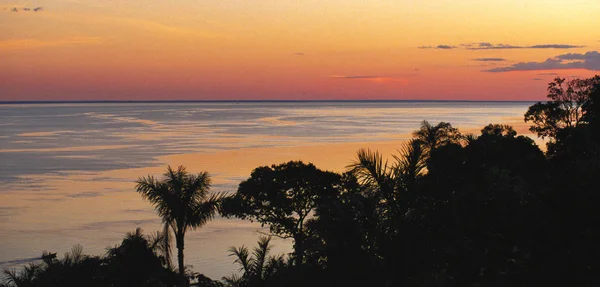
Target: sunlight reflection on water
{"x": 68, "y": 169}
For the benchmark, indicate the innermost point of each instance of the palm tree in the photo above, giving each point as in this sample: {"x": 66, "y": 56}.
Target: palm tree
{"x": 391, "y": 188}
{"x": 255, "y": 266}
{"x": 391, "y": 181}
{"x": 372, "y": 171}
{"x": 26, "y": 277}
{"x": 183, "y": 201}
{"x": 433, "y": 137}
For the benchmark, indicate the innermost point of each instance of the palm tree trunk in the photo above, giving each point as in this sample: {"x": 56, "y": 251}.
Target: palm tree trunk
{"x": 180, "y": 246}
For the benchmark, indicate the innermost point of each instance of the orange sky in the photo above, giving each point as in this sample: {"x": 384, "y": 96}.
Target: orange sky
{"x": 280, "y": 49}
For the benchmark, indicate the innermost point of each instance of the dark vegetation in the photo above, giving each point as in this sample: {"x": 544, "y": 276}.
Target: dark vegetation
{"x": 449, "y": 210}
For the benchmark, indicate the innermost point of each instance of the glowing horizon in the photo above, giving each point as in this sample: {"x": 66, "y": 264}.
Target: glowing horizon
{"x": 291, "y": 50}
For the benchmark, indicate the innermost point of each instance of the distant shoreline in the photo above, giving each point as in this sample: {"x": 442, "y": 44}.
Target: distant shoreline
{"x": 255, "y": 101}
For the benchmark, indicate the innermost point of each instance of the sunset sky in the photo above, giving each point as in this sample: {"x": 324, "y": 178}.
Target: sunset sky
{"x": 293, "y": 50}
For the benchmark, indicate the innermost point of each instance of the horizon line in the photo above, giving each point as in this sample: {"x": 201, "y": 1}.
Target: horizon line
{"x": 245, "y": 101}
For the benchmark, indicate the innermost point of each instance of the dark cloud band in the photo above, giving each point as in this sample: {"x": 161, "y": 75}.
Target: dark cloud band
{"x": 587, "y": 61}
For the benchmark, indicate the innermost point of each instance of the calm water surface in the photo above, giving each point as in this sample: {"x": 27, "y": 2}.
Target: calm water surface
{"x": 67, "y": 170}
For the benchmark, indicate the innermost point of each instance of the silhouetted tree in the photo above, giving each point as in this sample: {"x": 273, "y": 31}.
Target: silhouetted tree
{"x": 75, "y": 269}
{"x": 27, "y": 276}
{"x": 345, "y": 246}
{"x": 482, "y": 207}
{"x": 565, "y": 108}
{"x": 285, "y": 197}
{"x": 256, "y": 267}
{"x": 390, "y": 181}
{"x": 433, "y": 137}
{"x": 394, "y": 190}
{"x": 136, "y": 262}
{"x": 182, "y": 200}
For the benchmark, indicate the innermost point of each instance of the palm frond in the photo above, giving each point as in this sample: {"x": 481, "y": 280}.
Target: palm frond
{"x": 77, "y": 253}
{"x": 176, "y": 178}
{"x": 469, "y": 138}
{"x": 199, "y": 186}
{"x": 260, "y": 254}
{"x": 11, "y": 277}
{"x": 31, "y": 271}
{"x": 206, "y": 210}
{"x": 242, "y": 258}
{"x": 234, "y": 280}
{"x": 411, "y": 159}
{"x": 369, "y": 168}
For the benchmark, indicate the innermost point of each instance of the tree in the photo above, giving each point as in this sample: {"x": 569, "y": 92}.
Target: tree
{"x": 565, "y": 109}
{"x": 433, "y": 137}
{"x": 28, "y": 276}
{"x": 391, "y": 180}
{"x": 483, "y": 207}
{"x": 393, "y": 191}
{"x": 285, "y": 197}
{"x": 257, "y": 267}
{"x": 136, "y": 262}
{"x": 183, "y": 201}
{"x": 591, "y": 108}
{"x": 75, "y": 269}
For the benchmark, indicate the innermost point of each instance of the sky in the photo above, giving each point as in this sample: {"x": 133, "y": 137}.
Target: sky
{"x": 294, "y": 50}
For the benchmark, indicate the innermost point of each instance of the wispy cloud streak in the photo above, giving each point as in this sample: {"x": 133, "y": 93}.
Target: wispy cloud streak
{"x": 378, "y": 79}
{"x": 489, "y": 59}
{"x": 490, "y": 46}
{"x": 440, "y": 47}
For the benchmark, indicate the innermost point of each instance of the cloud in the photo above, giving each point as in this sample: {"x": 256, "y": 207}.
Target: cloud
{"x": 441, "y": 47}
{"x": 537, "y": 79}
{"x": 489, "y": 59}
{"x": 554, "y": 46}
{"x": 445, "y": 47}
{"x": 588, "y": 61}
{"x": 576, "y": 56}
{"x": 547, "y": 74}
{"x": 490, "y": 46}
{"x": 298, "y": 54}
{"x": 27, "y": 9}
{"x": 353, "y": 77}
{"x": 378, "y": 79}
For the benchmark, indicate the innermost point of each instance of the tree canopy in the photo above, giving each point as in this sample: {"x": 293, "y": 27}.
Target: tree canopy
{"x": 285, "y": 197}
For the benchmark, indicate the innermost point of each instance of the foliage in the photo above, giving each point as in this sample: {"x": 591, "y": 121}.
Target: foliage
{"x": 285, "y": 197}
{"x": 436, "y": 136}
{"x": 257, "y": 267}
{"x": 134, "y": 262}
{"x": 183, "y": 201}
{"x": 137, "y": 261}
{"x": 569, "y": 102}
